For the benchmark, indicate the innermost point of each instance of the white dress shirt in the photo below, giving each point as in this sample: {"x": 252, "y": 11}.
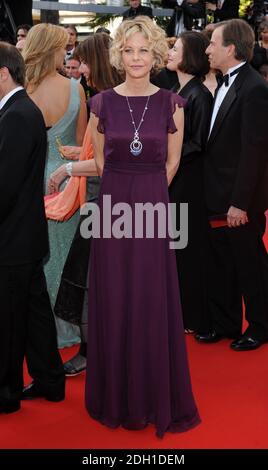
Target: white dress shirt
{"x": 222, "y": 92}
{"x": 220, "y": 3}
{"x": 69, "y": 54}
{"x": 11, "y": 93}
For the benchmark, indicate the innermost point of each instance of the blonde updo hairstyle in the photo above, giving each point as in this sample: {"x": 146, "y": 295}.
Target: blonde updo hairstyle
{"x": 153, "y": 33}
{"x": 42, "y": 43}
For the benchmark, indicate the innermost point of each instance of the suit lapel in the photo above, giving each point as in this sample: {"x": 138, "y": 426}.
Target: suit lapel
{"x": 18, "y": 95}
{"x": 227, "y": 102}
{"x": 224, "y": 108}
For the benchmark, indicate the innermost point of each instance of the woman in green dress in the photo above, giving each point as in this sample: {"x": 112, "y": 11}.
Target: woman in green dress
{"x": 62, "y": 102}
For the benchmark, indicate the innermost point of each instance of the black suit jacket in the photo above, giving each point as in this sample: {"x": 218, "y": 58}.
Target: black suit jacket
{"x": 236, "y": 162}
{"x": 23, "y": 146}
{"x": 190, "y": 12}
{"x": 228, "y": 11}
{"x": 132, "y": 12}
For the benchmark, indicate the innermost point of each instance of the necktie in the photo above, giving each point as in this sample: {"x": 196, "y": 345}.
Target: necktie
{"x": 224, "y": 79}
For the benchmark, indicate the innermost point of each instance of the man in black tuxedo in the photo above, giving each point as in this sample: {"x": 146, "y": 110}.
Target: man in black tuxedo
{"x": 27, "y": 322}
{"x": 224, "y": 9}
{"x": 185, "y": 12}
{"x": 236, "y": 186}
{"x": 137, "y": 9}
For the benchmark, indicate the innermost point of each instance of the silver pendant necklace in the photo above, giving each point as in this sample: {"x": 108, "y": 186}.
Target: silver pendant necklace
{"x": 136, "y": 145}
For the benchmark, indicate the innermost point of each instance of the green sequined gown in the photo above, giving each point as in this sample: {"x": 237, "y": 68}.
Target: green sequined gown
{"x": 61, "y": 233}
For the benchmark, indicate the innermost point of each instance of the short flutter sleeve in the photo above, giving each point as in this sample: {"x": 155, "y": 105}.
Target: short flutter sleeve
{"x": 96, "y": 107}
{"x": 174, "y": 100}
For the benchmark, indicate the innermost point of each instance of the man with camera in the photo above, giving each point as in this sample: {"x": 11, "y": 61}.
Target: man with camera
{"x": 185, "y": 12}
{"x": 137, "y": 9}
{"x": 223, "y": 9}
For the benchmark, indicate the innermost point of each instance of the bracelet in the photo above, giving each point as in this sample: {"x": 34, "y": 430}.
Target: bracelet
{"x": 69, "y": 168}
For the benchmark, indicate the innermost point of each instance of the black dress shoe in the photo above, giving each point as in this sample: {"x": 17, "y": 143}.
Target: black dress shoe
{"x": 10, "y": 407}
{"x": 245, "y": 343}
{"x": 212, "y": 337}
{"x": 34, "y": 391}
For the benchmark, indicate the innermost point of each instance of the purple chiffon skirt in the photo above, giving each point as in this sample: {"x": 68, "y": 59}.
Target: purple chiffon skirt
{"x": 137, "y": 368}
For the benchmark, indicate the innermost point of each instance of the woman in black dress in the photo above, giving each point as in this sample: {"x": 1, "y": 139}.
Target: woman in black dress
{"x": 189, "y": 60}
{"x": 260, "y": 53}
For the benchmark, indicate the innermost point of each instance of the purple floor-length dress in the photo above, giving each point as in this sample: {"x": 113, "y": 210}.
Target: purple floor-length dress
{"x": 137, "y": 369}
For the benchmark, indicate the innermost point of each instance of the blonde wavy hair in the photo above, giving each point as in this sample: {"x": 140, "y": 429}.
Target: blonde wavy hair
{"x": 153, "y": 33}
{"x": 39, "y": 52}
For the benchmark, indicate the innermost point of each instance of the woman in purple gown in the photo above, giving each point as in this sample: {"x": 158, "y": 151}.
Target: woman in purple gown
{"x": 137, "y": 370}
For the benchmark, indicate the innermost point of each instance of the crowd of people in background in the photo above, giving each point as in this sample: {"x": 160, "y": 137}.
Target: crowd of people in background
{"x": 91, "y": 105}
{"x": 197, "y": 15}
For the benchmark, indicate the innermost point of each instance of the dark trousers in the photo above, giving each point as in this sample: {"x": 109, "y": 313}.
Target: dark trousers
{"x": 27, "y": 329}
{"x": 238, "y": 267}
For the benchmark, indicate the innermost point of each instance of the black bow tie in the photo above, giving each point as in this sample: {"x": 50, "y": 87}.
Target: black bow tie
{"x": 224, "y": 79}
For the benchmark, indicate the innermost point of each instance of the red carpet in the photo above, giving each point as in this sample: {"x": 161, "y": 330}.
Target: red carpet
{"x": 231, "y": 390}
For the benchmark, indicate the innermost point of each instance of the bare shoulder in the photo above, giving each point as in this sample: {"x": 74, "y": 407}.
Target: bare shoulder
{"x": 62, "y": 81}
